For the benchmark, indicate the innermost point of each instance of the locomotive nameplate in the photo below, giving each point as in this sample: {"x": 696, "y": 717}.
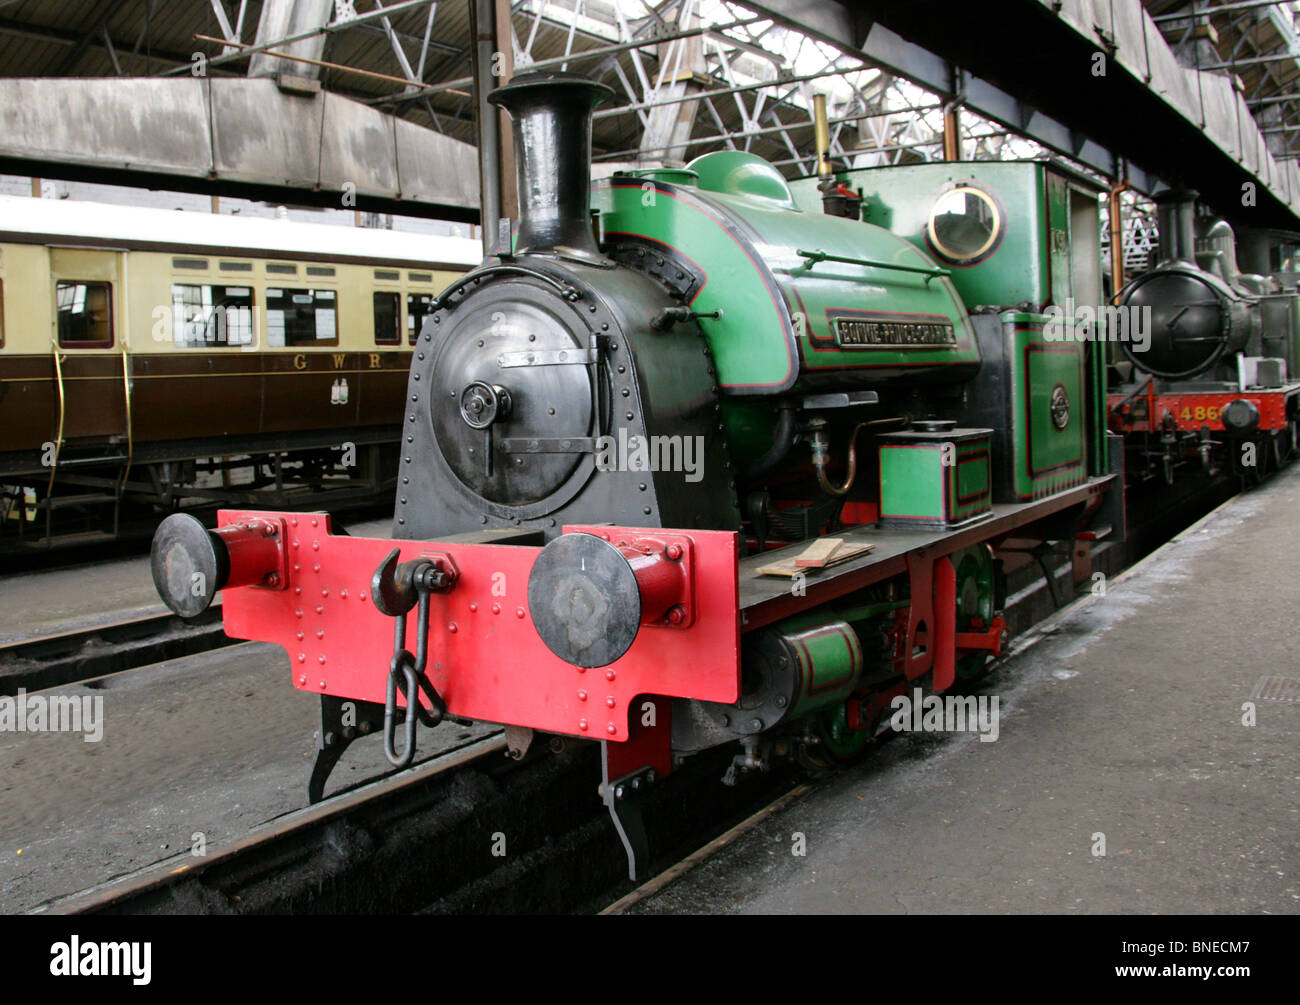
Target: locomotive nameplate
{"x": 894, "y": 333}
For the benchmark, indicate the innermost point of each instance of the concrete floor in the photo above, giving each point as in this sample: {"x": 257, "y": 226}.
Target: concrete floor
{"x": 1124, "y": 720}
{"x": 77, "y": 597}
{"x": 214, "y": 744}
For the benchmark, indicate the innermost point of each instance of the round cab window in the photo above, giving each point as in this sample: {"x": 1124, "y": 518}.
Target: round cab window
{"x": 965, "y": 224}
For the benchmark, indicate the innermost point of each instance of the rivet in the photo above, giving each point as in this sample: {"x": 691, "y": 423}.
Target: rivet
{"x": 297, "y": 589}
{"x": 298, "y": 613}
{"x": 496, "y": 608}
{"x": 610, "y": 701}
{"x": 451, "y": 627}
{"x": 315, "y": 546}
{"x": 609, "y": 674}
{"x": 324, "y": 593}
{"x": 302, "y": 657}
{"x": 320, "y": 609}
{"x": 293, "y": 521}
{"x": 473, "y": 607}
{"x": 300, "y": 636}
{"x": 315, "y": 522}
{"x": 315, "y": 567}
{"x": 343, "y": 594}
{"x": 302, "y": 679}
{"x": 321, "y": 658}
{"x": 611, "y": 729}
{"x": 519, "y": 612}
{"x": 297, "y": 544}
{"x": 582, "y": 696}
{"x": 582, "y": 725}
{"x": 320, "y": 634}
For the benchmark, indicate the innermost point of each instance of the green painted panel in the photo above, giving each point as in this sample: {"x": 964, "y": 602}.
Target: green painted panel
{"x": 778, "y": 311}
{"x": 1058, "y": 236}
{"x": 830, "y": 654}
{"x": 971, "y": 486}
{"x": 911, "y": 483}
{"x": 752, "y": 341}
{"x": 1016, "y": 271}
{"x": 1048, "y": 455}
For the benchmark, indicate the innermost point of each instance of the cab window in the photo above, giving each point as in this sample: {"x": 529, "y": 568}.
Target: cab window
{"x": 85, "y": 314}
{"x": 388, "y": 319}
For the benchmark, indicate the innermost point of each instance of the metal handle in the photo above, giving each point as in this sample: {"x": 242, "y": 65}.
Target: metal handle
{"x": 929, "y": 271}
{"x": 569, "y": 293}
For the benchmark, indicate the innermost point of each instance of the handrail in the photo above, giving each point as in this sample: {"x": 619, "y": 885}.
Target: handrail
{"x": 929, "y": 271}
{"x": 58, "y": 443}
{"x": 130, "y": 436}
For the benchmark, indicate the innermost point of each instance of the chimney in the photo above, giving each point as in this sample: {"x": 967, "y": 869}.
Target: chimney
{"x": 1176, "y": 215}
{"x": 551, "y": 116}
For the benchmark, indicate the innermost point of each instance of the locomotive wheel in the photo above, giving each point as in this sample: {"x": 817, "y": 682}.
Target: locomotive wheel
{"x": 840, "y": 744}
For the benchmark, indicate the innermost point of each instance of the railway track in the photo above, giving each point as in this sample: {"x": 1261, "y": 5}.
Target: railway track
{"x": 468, "y": 830}
{"x": 88, "y": 653}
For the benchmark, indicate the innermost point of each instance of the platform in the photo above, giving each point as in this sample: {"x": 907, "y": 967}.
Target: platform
{"x": 50, "y": 601}
{"x": 1121, "y": 717}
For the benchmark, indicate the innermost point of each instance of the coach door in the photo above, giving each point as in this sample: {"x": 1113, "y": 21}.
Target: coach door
{"x": 87, "y": 342}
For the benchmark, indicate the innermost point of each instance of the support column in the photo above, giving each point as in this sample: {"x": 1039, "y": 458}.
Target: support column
{"x": 282, "y": 18}
{"x": 491, "y": 139}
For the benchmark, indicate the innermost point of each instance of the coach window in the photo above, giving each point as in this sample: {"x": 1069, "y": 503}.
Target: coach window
{"x": 204, "y": 316}
{"x": 388, "y": 319}
{"x": 418, "y": 307}
{"x": 301, "y": 317}
{"x": 85, "y": 314}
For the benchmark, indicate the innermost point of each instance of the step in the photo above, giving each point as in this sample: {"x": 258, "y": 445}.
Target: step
{"x": 69, "y": 540}
{"x": 87, "y": 462}
{"x": 64, "y": 502}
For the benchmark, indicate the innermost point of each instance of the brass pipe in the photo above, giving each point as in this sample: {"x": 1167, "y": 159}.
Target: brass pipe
{"x": 1116, "y": 214}
{"x": 951, "y": 132}
{"x": 820, "y": 455}
{"x": 821, "y": 135}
